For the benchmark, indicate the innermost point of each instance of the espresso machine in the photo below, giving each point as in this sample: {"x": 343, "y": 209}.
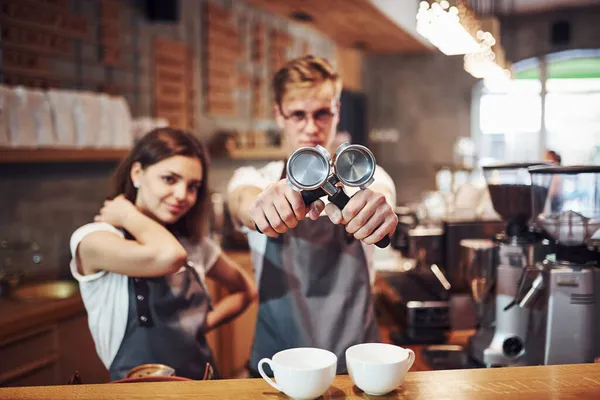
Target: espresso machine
{"x": 566, "y": 202}
{"x": 502, "y": 337}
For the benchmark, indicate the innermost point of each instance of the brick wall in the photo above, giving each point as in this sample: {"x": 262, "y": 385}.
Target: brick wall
{"x": 47, "y": 202}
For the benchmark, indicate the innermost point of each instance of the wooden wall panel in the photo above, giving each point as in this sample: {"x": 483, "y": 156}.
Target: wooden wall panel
{"x": 349, "y": 66}
{"x": 223, "y": 49}
{"x": 172, "y": 82}
{"x": 17, "y": 78}
{"x": 349, "y": 22}
{"x": 279, "y": 44}
{"x": 27, "y": 38}
{"x": 259, "y": 106}
{"x": 39, "y": 14}
{"x": 110, "y": 47}
{"x": 258, "y": 43}
{"x": 26, "y": 62}
{"x": 110, "y": 10}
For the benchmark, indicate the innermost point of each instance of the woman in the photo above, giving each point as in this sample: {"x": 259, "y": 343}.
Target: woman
{"x": 141, "y": 265}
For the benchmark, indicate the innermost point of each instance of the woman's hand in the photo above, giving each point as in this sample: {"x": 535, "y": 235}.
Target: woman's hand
{"x": 115, "y": 211}
{"x": 152, "y": 251}
{"x": 241, "y": 292}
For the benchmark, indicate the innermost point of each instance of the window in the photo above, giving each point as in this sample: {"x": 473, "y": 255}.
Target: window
{"x": 507, "y": 123}
{"x": 573, "y": 118}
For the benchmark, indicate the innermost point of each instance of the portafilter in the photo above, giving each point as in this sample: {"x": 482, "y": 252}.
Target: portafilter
{"x": 308, "y": 171}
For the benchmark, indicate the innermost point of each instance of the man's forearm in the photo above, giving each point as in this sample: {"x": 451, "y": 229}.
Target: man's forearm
{"x": 240, "y": 201}
{"x": 386, "y": 191}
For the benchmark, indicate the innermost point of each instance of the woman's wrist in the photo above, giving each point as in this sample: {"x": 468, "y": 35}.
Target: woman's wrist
{"x": 207, "y": 326}
{"x": 132, "y": 220}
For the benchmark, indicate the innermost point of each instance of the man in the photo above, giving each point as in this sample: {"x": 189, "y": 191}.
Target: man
{"x": 313, "y": 272}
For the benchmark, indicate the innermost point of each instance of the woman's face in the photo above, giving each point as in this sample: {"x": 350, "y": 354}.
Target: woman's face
{"x": 168, "y": 189}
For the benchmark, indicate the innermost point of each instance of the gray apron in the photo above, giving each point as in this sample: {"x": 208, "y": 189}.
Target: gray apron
{"x": 314, "y": 291}
{"x": 164, "y": 325}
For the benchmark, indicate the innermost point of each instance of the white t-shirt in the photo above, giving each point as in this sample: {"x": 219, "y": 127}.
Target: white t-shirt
{"x": 106, "y": 294}
{"x": 271, "y": 173}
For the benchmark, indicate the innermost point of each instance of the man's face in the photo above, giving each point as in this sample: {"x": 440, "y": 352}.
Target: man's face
{"x": 309, "y": 116}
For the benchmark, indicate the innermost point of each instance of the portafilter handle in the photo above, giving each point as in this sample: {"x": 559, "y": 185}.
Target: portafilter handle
{"x": 354, "y": 166}
{"x": 337, "y": 196}
{"x": 313, "y": 167}
{"x": 523, "y": 290}
{"x": 308, "y": 196}
{"x": 340, "y": 199}
{"x": 536, "y": 288}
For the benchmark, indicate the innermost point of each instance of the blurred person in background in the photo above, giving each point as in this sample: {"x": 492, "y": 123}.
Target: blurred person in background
{"x": 553, "y": 157}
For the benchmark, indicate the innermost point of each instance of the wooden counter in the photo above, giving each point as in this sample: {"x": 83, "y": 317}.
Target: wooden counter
{"x": 556, "y": 382}
{"x": 18, "y": 316}
{"x": 43, "y": 342}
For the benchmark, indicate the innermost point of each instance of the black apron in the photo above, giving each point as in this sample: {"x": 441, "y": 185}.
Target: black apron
{"x": 164, "y": 325}
{"x": 314, "y": 291}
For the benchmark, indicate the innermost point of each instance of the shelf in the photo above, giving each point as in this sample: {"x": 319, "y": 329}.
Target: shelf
{"x": 56, "y": 155}
{"x": 258, "y": 153}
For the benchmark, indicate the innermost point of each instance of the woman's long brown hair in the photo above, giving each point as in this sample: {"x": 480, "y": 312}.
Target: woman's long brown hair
{"x": 157, "y": 145}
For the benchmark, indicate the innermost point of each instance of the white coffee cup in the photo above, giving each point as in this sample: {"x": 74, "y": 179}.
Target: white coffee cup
{"x": 378, "y": 368}
{"x": 301, "y": 373}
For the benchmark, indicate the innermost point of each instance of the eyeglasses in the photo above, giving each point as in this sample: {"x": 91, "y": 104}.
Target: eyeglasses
{"x": 321, "y": 117}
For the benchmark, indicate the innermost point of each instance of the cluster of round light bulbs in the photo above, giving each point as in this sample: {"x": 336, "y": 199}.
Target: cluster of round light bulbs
{"x": 481, "y": 61}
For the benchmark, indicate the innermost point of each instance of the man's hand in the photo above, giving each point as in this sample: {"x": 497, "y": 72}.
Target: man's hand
{"x": 279, "y": 208}
{"x": 367, "y": 216}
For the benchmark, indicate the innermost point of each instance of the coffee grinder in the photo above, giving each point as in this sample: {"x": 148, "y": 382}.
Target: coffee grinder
{"x": 479, "y": 261}
{"x": 566, "y": 201}
{"x": 503, "y": 342}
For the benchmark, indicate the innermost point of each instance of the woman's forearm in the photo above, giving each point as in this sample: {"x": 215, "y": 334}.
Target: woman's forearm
{"x": 227, "y": 309}
{"x": 165, "y": 252}
{"x": 239, "y": 286}
{"x": 149, "y": 232}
